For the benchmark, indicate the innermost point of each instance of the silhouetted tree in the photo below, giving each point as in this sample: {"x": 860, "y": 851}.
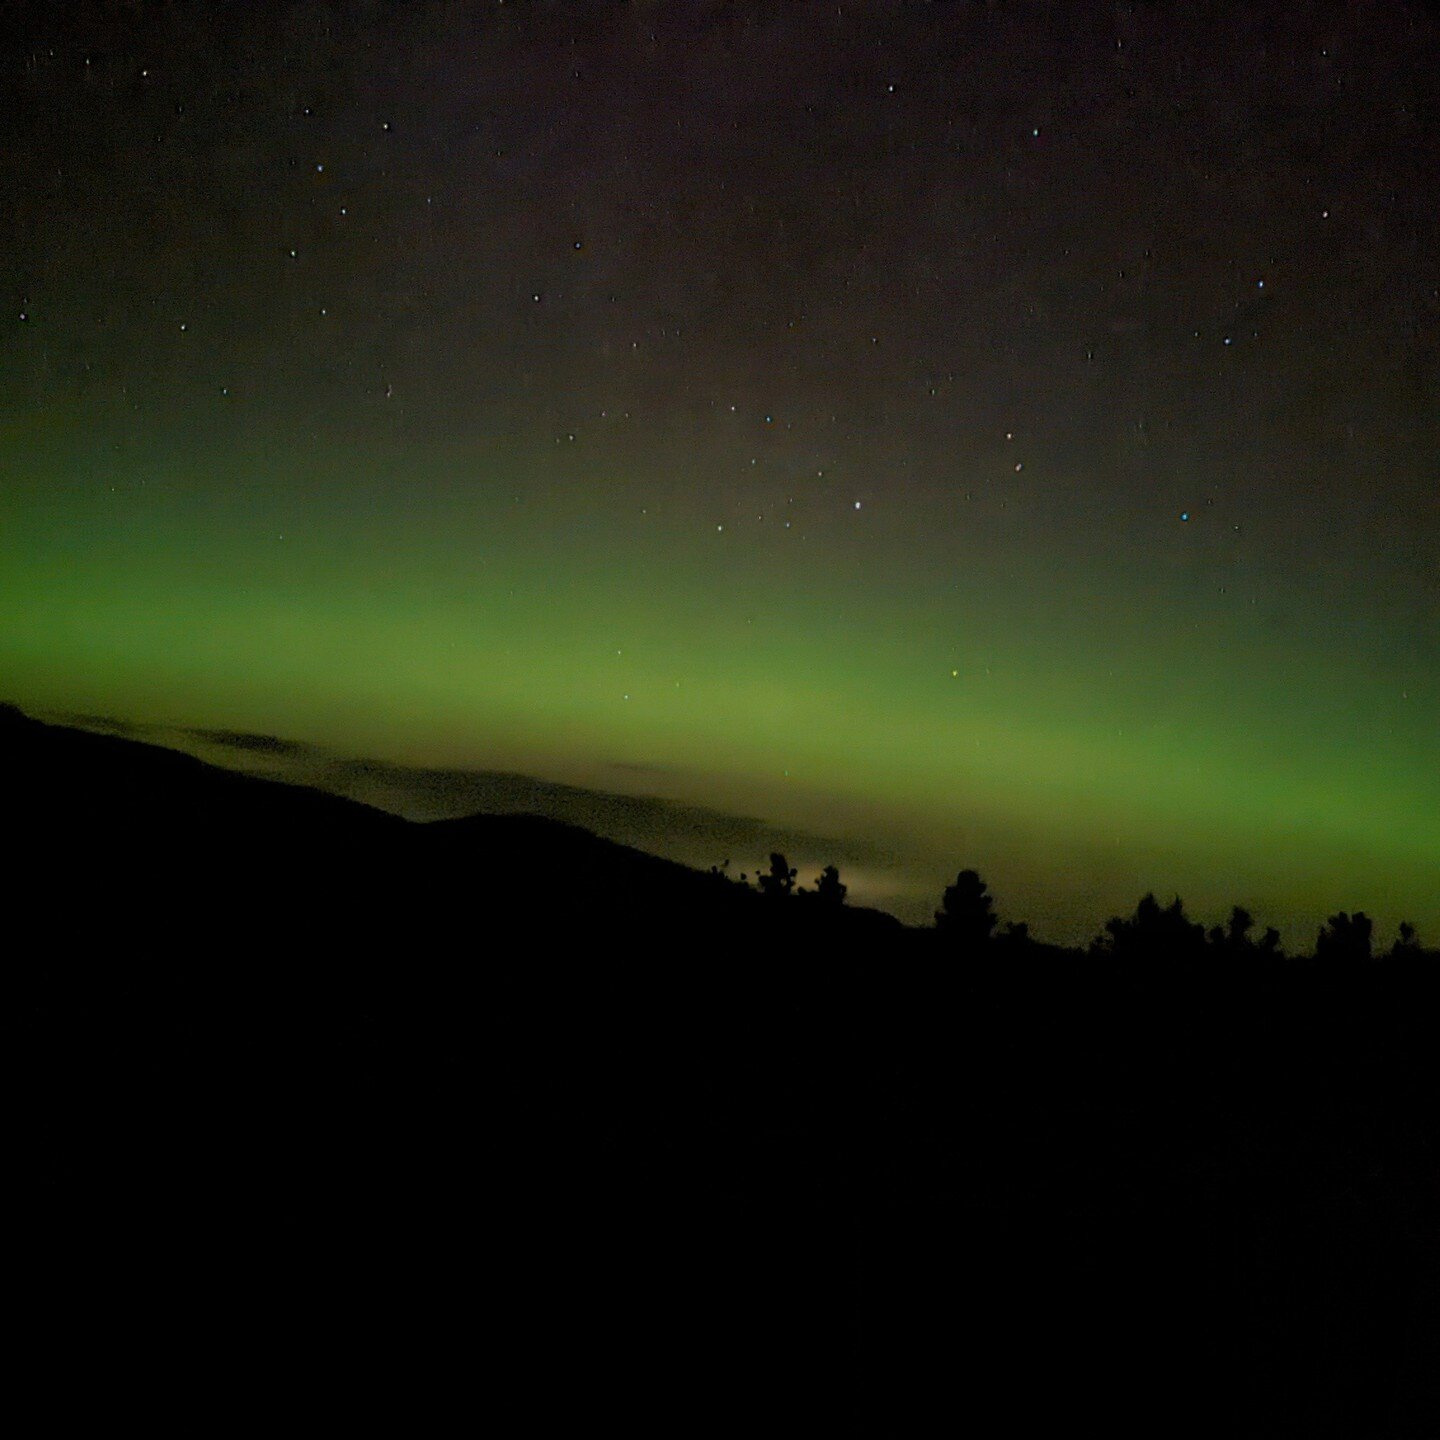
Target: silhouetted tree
{"x": 781, "y": 879}
{"x": 1345, "y": 938}
{"x": 828, "y": 888}
{"x": 1270, "y": 941}
{"x": 1234, "y": 935}
{"x": 967, "y": 911}
{"x": 1407, "y": 944}
{"x": 1152, "y": 931}
{"x": 1242, "y": 922}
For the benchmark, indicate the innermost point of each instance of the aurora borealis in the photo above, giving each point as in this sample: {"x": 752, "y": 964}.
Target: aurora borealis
{"x": 995, "y": 436}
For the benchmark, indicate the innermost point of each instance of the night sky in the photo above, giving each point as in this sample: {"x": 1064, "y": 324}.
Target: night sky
{"x": 989, "y": 436}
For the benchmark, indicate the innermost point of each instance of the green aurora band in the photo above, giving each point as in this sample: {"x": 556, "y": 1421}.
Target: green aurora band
{"x": 995, "y": 705}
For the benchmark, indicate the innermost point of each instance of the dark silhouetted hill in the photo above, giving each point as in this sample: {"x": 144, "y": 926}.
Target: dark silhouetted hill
{"x": 312, "y": 1100}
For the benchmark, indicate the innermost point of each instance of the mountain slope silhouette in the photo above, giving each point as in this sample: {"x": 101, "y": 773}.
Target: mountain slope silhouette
{"x": 131, "y": 814}
{"x": 322, "y": 1097}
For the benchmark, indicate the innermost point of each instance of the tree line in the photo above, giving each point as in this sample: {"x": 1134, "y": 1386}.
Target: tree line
{"x": 967, "y": 916}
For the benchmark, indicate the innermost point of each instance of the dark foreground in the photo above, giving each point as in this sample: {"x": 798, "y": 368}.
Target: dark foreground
{"x": 326, "y": 1118}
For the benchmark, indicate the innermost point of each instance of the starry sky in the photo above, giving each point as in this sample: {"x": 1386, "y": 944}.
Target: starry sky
{"x": 1001, "y": 436}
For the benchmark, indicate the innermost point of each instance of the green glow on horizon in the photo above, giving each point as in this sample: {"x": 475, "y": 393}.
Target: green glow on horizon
{"x": 757, "y": 674}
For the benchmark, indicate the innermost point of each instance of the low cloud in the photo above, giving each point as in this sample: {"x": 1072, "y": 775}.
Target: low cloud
{"x": 246, "y": 740}
{"x": 692, "y": 834}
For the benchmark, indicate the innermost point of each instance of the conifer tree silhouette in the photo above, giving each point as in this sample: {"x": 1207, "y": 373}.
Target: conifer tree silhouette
{"x": 1408, "y": 942}
{"x": 1154, "y": 930}
{"x": 1345, "y": 937}
{"x": 967, "y": 911}
{"x": 1234, "y": 935}
{"x": 828, "y": 888}
{"x": 780, "y": 882}
{"x": 1242, "y": 922}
